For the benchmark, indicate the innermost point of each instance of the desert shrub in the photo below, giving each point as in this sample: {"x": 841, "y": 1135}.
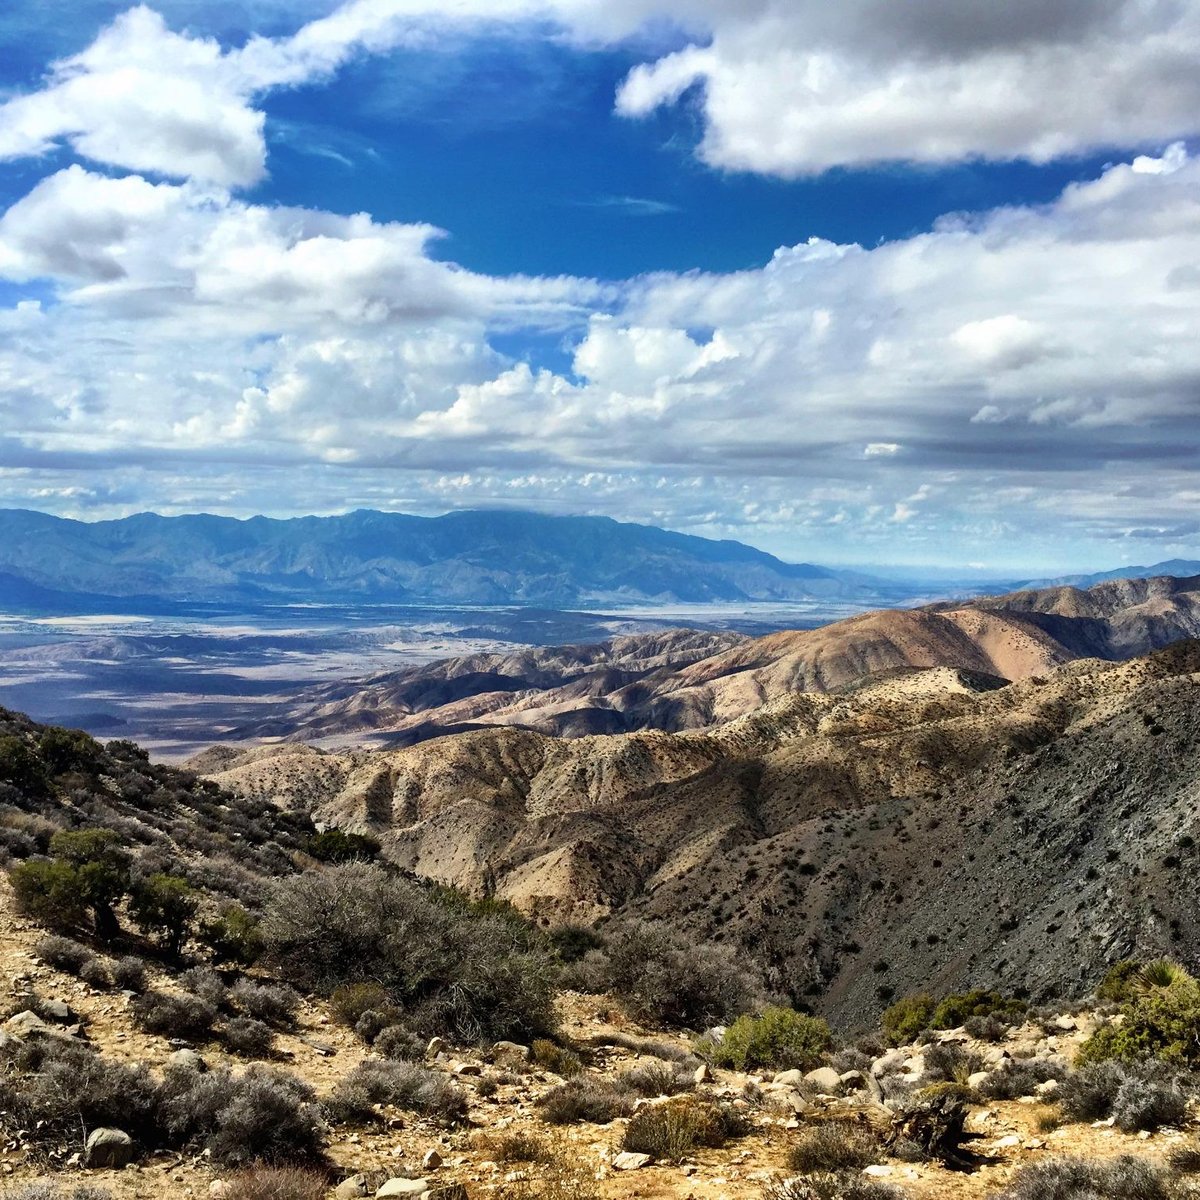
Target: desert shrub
{"x": 571, "y": 942}
{"x": 374, "y": 1021}
{"x": 48, "y": 1189}
{"x": 565, "y": 1179}
{"x": 906, "y": 1018}
{"x": 50, "y": 893}
{"x": 63, "y": 953}
{"x": 233, "y": 936}
{"x": 205, "y": 983}
{"x": 647, "y": 1047}
{"x": 518, "y": 1146}
{"x": 164, "y": 906}
{"x": 55, "y": 1089}
{"x": 1119, "y": 982}
{"x": 399, "y": 1043}
{"x": 1121, "y": 1178}
{"x": 956, "y": 1010}
{"x": 946, "y": 1062}
{"x": 276, "y": 1183}
{"x": 469, "y": 973}
{"x": 1159, "y": 1020}
{"x": 95, "y": 974}
{"x": 663, "y": 976}
{"x": 834, "y": 1146}
{"x": 990, "y": 1028}
{"x": 830, "y": 1187}
{"x": 403, "y": 1084}
{"x": 584, "y": 1098}
{"x": 1017, "y": 1079}
{"x": 334, "y": 846}
{"x": 274, "y": 1003}
{"x": 1143, "y": 1103}
{"x": 63, "y": 750}
{"x": 183, "y": 1016}
{"x": 671, "y": 1131}
{"x": 1185, "y": 1159}
{"x": 1088, "y": 1094}
{"x": 780, "y": 1038}
{"x": 21, "y": 766}
{"x": 657, "y": 1079}
{"x": 260, "y": 1115}
{"x": 351, "y": 1001}
{"x": 248, "y": 1037}
{"x": 550, "y": 1056}
{"x": 129, "y": 973}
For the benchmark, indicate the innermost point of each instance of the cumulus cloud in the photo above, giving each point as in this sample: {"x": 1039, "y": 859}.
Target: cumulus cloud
{"x": 963, "y": 379}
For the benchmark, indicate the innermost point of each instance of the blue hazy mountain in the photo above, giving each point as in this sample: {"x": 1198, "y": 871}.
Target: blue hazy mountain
{"x": 475, "y": 557}
{"x": 1180, "y": 568}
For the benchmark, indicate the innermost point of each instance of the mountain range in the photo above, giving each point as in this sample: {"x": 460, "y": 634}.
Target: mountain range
{"x": 507, "y": 557}
{"x": 692, "y": 679}
{"x": 987, "y": 794}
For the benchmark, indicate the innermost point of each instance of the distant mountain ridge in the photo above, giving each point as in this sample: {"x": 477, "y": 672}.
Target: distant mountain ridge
{"x": 472, "y": 557}
{"x": 1179, "y": 568}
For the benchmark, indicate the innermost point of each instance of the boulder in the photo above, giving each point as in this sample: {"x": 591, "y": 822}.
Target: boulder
{"x": 792, "y": 1079}
{"x": 978, "y": 1078}
{"x": 702, "y": 1074}
{"x": 628, "y": 1161}
{"x": 187, "y": 1060}
{"x": 352, "y": 1188}
{"x": 511, "y": 1052}
{"x": 431, "y": 1161}
{"x": 825, "y": 1079}
{"x": 26, "y": 1024}
{"x": 57, "y": 1011}
{"x": 108, "y": 1148}
{"x": 402, "y": 1187}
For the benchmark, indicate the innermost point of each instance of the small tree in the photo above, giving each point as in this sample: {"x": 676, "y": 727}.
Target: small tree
{"x": 233, "y": 936}
{"x": 90, "y": 872}
{"x": 64, "y": 750}
{"x": 164, "y": 906}
{"x": 20, "y": 765}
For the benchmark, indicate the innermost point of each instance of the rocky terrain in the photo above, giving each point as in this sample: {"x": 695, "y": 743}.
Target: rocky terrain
{"x": 505, "y": 1147}
{"x": 693, "y": 681}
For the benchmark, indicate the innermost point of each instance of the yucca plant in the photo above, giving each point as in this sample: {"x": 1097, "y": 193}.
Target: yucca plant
{"x": 1161, "y": 973}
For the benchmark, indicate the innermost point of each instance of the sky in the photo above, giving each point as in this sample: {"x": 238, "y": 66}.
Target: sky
{"x": 865, "y": 283}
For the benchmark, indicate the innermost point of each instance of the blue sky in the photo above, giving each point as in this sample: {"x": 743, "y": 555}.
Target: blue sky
{"x": 891, "y": 284}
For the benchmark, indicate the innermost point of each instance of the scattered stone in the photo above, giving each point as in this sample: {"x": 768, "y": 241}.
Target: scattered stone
{"x": 1066, "y": 1024}
{"x": 107, "y": 1148}
{"x": 352, "y": 1188}
{"x": 435, "y": 1047}
{"x": 978, "y": 1078}
{"x": 511, "y": 1052}
{"x": 188, "y": 1060}
{"x": 792, "y": 1079}
{"x": 1008, "y": 1141}
{"x": 402, "y": 1187}
{"x": 877, "y": 1170}
{"x": 462, "y": 1069}
{"x": 431, "y": 1161}
{"x": 324, "y": 1049}
{"x": 853, "y": 1080}
{"x": 628, "y": 1161}
{"x": 219, "y": 1189}
{"x": 26, "y": 1024}
{"x": 57, "y": 1011}
{"x": 1048, "y": 1087}
{"x": 702, "y": 1074}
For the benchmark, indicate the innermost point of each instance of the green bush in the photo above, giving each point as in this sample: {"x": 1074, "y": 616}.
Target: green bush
{"x": 337, "y": 847}
{"x": 469, "y": 974}
{"x": 957, "y": 1009}
{"x": 1118, "y": 984}
{"x": 64, "y": 750}
{"x": 1158, "y": 1022}
{"x": 21, "y": 766}
{"x": 779, "y": 1039}
{"x": 835, "y": 1146}
{"x": 164, "y": 906}
{"x": 233, "y": 936}
{"x": 905, "y": 1019}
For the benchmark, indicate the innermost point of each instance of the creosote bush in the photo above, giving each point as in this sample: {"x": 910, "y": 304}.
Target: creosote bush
{"x": 910, "y": 1016}
{"x": 63, "y": 953}
{"x": 780, "y": 1039}
{"x": 248, "y": 1037}
{"x": 650, "y": 1079}
{"x": 585, "y": 1098}
{"x": 471, "y": 972}
{"x": 672, "y": 1130}
{"x": 663, "y": 976}
{"x": 1136, "y": 1096}
{"x": 183, "y": 1016}
{"x": 404, "y": 1084}
{"x": 1121, "y": 1178}
{"x": 831, "y": 1187}
{"x": 834, "y": 1146}
{"x": 276, "y": 1183}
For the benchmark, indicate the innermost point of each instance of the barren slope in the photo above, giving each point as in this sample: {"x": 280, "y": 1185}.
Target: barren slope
{"x": 929, "y": 829}
{"x": 693, "y": 680}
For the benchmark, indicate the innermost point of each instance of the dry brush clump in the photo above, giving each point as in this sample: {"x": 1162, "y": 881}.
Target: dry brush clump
{"x": 670, "y": 1131}
{"x": 837, "y": 1145}
{"x": 585, "y": 1098}
{"x": 1122, "y": 1178}
{"x": 377, "y": 1082}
